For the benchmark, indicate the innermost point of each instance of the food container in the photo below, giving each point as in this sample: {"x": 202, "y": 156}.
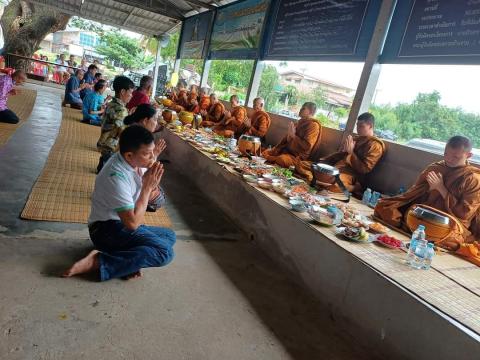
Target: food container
{"x": 185, "y": 117}
{"x": 298, "y": 205}
{"x": 264, "y": 184}
{"x": 249, "y": 145}
{"x": 250, "y": 178}
{"x": 324, "y": 173}
{"x": 437, "y": 225}
{"x": 169, "y": 115}
{"x": 326, "y": 216}
{"x": 258, "y": 160}
{"x": 197, "y": 121}
{"x": 167, "y": 102}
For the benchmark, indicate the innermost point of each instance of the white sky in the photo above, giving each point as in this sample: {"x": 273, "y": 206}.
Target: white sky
{"x": 458, "y": 85}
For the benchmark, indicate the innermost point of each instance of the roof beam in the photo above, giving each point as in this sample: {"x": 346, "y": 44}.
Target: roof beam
{"x": 201, "y": 4}
{"x": 165, "y": 12}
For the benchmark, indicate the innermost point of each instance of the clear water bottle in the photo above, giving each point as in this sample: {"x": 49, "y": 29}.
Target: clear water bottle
{"x": 419, "y": 254}
{"x": 374, "y": 199}
{"x": 427, "y": 262}
{"x": 366, "y": 196}
{"x": 417, "y": 235}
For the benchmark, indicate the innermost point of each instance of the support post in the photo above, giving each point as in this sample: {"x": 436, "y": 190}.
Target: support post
{"x": 254, "y": 85}
{"x": 371, "y": 69}
{"x": 155, "y": 69}
{"x": 205, "y": 72}
{"x": 176, "y": 66}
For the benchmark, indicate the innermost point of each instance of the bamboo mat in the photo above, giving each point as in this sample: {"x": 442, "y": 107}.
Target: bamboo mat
{"x": 452, "y": 285}
{"x": 64, "y": 188}
{"x": 22, "y": 105}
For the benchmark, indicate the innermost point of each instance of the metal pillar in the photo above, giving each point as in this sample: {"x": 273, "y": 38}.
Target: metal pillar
{"x": 371, "y": 69}
{"x": 155, "y": 70}
{"x": 252, "y": 92}
{"x": 207, "y": 64}
{"x": 176, "y": 66}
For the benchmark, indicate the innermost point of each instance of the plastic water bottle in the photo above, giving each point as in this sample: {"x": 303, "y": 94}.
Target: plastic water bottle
{"x": 367, "y": 196}
{"x": 374, "y": 199}
{"x": 418, "y": 235}
{"x": 427, "y": 262}
{"x": 420, "y": 248}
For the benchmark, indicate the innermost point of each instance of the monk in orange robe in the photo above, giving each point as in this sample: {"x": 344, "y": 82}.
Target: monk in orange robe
{"x": 260, "y": 122}
{"x": 302, "y": 139}
{"x": 209, "y": 110}
{"x": 356, "y": 157}
{"x": 203, "y": 100}
{"x": 215, "y": 116}
{"x": 233, "y": 122}
{"x": 451, "y": 186}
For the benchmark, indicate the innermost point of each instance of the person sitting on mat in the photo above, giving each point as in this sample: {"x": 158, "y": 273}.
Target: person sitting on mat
{"x": 94, "y": 104}
{"x": 146, "y": 116}
{"x": 7, "y": 83}
{"x": 72, "y": 90}
{"x": 123, "y": 244}
{"x": 112, "y": 120}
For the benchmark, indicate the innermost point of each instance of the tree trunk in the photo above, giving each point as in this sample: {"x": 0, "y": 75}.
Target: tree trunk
{"x": 26, "y": 24}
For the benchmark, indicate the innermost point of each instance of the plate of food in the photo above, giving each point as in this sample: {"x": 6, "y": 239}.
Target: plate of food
{"x": 378, "y": 228}
{"x": 250, "y": 178}
{"x": 389, "y": 241}
{"x": 356, "y": 234}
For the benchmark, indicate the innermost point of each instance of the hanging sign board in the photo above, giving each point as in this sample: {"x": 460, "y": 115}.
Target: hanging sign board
{"x": 195, "y": 32}
{"x": 311, "y": 29}
{"x": 237, "y": 30}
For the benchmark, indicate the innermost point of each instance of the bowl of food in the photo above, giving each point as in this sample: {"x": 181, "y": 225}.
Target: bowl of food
{"x": 279, "y": 187}
{"x": 328, "y": 216}
{"x": 250, "y": 178}
{"x": 258, "y": 159}
{"x": 185, "y": 117}
{"x": 264, "y": 184}
{"x": 357, "y": 234}
{"x": 298, "y": 205}
{"x": 271, "y": 177}
{"x": 389, "y": 241}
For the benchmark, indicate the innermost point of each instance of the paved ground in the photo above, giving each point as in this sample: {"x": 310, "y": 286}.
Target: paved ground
{"x": 221, "y": 298}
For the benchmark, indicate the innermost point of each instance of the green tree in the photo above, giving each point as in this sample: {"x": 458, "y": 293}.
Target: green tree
{"x": 317, "y": 96}
{"x": 123, "y": 50}
{"x": 269, "y": 81}
{"x": 291, "y": 92}
{"x": 87, "y": 25}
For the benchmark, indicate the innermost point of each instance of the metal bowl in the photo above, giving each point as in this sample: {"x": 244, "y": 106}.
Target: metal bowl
{"x": 425, "y": 214}
{"x": 325, "y": 169}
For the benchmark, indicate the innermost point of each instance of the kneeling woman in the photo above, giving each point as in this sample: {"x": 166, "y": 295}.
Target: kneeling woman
{"x": 146, "y": 116}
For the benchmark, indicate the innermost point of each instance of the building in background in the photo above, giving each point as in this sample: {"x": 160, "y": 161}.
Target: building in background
{"x": 76, "y": 42}
{"x": 335, "y": 95}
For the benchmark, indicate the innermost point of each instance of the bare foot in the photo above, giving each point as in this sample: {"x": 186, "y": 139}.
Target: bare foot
{"x": 87, "y": 264}
{"x": 135, "y": 275}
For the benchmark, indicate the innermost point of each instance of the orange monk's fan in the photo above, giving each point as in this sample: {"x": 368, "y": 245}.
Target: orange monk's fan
{"x": 439, "y": 226}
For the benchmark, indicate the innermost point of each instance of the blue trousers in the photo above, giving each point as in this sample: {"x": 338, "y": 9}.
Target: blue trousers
{"x": 124, "y": 251}
{"x": 93, "y": 120}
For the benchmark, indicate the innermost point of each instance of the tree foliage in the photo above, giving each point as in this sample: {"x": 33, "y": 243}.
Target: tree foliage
{"x": 122, "y": 50}
{"x": 226, "y": 73}
{"x": 270, "y": 79}
{"x": 426, "y": 118}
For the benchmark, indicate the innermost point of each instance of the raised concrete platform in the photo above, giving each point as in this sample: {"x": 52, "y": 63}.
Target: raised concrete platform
{"x": 393, "y": 320}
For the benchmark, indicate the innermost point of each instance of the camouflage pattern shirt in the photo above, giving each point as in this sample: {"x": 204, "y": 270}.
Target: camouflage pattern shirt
{"x": 112, "y": 126}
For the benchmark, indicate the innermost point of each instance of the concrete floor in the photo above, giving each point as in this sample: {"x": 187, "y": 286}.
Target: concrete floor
{"x": 221, "y": 298}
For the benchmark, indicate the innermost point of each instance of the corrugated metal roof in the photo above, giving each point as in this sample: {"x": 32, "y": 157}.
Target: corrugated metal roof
{"x": 149, "y": 17}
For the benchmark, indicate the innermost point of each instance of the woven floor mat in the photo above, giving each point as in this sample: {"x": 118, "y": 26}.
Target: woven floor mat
{"x": 64, "y": 188}
{"x": 22, "y": 105}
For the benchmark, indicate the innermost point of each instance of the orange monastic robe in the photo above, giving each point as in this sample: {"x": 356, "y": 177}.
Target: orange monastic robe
{"x": 305, "y": 142}
{"x": 366, "y": 154}
{"x": 204, "y": 103}
{"x": 259, "y": 124}
{"x": 462, "y": 201}
{"x": 215, "y": 116}
{"x": 234, "y": 125}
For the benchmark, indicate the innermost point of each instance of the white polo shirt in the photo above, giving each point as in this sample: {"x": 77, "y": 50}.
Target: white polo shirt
{"x": 117, "y": 188}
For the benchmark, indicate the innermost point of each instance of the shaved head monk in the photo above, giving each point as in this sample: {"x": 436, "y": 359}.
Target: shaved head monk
{"x": 451, "y": 186}
{"x": 356, "y": 157}
{"x": 234, "y": 119}
{"x": 203, "y": 100}
{"x": 260, "y": 122}
{"x": 303, "y": 139}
